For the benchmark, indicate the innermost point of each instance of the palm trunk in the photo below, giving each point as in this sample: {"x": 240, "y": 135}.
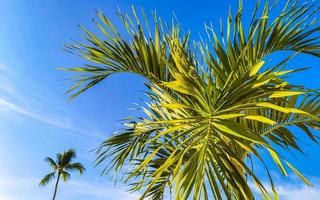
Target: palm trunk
{"x": 56, "y": 187}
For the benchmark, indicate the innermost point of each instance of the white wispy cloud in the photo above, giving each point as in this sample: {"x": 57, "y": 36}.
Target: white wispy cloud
{"x": 292, "y": 188}
{"x": 38, "y": 104}
{"x": 99, "y": 190}
{"x": 27, "y": 187}
{"x": 64, "y": 124}
{"x": 72, "y": 190}
{"x": 299, "y": 192}
{"x": 295, "y": 189}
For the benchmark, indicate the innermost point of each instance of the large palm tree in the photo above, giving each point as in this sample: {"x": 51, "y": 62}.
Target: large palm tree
{"x": 216, "y": 106}
{"x": 61, "y": 167}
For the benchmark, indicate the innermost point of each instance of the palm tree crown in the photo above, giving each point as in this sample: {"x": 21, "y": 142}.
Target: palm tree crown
{"x": 62, "y": 167}
{"x": 214, "y": 105}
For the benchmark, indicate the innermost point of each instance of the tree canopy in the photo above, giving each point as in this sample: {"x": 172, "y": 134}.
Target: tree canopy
{"x": 214, "y": 104}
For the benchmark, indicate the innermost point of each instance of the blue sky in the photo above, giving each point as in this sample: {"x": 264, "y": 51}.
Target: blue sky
{"x": 36, "y": 120}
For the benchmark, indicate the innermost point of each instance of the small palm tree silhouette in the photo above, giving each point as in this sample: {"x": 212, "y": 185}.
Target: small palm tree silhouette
{"x": 61, "y": 167}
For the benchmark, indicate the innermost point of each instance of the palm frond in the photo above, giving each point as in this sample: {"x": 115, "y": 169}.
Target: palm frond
{"x": 47, "y": 178}
{"x": 144, "y": 54}
{"x": 51, "y": 162}
{"x": 67, "y": 157}
{"x": 75, "y": 167}
{"x": 65, "y": 176}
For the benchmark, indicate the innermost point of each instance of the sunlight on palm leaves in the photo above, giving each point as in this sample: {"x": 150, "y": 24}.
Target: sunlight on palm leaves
{"x": 206, "y": 121}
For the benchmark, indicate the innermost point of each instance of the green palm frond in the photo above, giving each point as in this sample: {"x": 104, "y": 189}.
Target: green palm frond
{"x": 51, "y": 162}
{"x": 65, "y": 176}
{"x": 203, "y": 121}
{"x": 47, "y": 179}
{"x": 67, "y": 157}
{"x": 75, "y": 167}
{"x": 145, "y": 54}
{"x": 59, "y": 157}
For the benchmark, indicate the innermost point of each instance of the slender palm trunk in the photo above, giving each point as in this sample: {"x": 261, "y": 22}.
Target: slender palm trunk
{"x": 56, "y": 187}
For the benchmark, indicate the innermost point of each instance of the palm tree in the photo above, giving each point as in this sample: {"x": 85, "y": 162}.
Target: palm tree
{"x": 61, "y": 168}
{"x": 217, "y": 108}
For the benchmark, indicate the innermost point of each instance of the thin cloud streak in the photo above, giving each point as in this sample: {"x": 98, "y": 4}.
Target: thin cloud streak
{"x": 70, "y": 190}
{"x": 63, "y": 124}
{"x": 14, "y": 98}
{"x": 292, "y": 189}
{"x": 100, "y": 191}
{"x": 294, "y": 192}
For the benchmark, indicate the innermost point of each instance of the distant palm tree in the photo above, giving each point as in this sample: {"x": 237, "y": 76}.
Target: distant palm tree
{"x": 61, "y": 167}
